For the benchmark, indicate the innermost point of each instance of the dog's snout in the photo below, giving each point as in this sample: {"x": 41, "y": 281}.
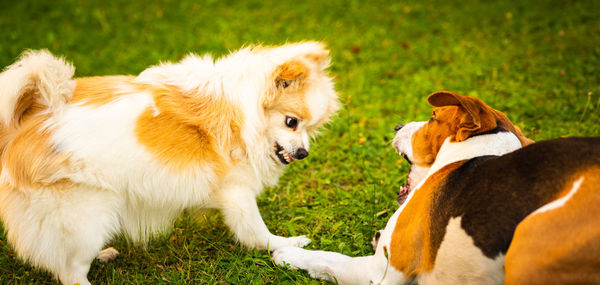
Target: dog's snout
{"x": 301, "y": 153}
{"x": 398, "y": 127}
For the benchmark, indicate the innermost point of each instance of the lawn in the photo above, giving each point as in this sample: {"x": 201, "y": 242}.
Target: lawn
{"x": 538, "y": 61}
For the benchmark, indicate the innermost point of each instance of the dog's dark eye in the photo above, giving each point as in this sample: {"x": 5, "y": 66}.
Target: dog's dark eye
{"x": 432, "y": 117}
{"x": 292, "y": 123}
{"x": 284, "y": 83}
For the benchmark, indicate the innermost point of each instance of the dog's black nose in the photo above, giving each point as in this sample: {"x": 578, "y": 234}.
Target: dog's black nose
{"x": 398, "y": 127}
{"x": 301, "y": 153}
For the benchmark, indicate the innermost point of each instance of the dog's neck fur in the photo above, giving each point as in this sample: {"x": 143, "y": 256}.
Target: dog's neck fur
{"x": 481, "y": 145}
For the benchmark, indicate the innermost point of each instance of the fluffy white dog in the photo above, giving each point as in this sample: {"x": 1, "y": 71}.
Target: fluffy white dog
{"x": 85, "y": 159}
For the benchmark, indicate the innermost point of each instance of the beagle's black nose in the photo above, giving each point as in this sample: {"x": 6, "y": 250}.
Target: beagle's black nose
{"x": 301, "y": 153}
{"x": 398, "y": 127}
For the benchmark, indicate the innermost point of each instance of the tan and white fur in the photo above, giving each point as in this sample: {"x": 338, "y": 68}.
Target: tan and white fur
{"x": 483, "y": 204}
{"x": 458, "y": 261}
{"x": 86, "y": 159}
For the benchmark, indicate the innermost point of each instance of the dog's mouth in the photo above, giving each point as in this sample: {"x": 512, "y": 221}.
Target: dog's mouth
{"x": 406, "y": 157}
{"x": 405, "y": 190}
{"x": 284, "y": 156}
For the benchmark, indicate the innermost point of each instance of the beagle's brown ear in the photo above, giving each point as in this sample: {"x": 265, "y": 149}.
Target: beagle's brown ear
{"x": 443, "y": 98}
{"x": 477, "y": 117}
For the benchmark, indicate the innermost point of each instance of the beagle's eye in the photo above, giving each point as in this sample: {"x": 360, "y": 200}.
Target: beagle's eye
{"x": 291, "y": 122}
{"x": 432, "y": 117}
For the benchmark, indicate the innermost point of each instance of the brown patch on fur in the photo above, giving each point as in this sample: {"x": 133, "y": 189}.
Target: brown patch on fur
{"x": 189, "y": 129}
{"x": 30, "y": 158}
{"x": 458, "y": 117}
{"x": 292, "y": 69}
{"x": 99, "y": 90}
{"x": 290, "y": 99}
{"x": 478, "y": 117}
{"x": 183, "y": 130}
{"x": 560, "y": 246}
{"x": 411, "y": 247}
{"x": 427, "y": 141}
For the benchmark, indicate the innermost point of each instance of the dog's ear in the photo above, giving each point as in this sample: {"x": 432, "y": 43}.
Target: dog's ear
{"x": 302, "y": 56}
{"x": 289, "y": 72}
{"x": 478, "y": 117}
{"x": 295, "y": 65}
{"x": 314, "y": 52}
{"x": 297, "y": 60}
{"x": 319, "y": 56}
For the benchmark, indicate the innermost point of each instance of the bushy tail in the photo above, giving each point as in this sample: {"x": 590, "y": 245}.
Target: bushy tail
{"x": 38, "y": 80}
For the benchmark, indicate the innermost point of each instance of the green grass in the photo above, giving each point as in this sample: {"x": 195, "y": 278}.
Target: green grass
{"x": 538, "y": 61}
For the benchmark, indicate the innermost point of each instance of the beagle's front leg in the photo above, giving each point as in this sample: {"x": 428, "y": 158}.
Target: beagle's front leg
{"x": 335, "y": 267}
{"x": 338, "y": 268}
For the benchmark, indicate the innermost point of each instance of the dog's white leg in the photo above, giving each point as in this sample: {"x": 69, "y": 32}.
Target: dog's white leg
{"x": 85, "y": 232}
{"x": 75, "y": 273}
{"x": 338, "y": 268}
{"x": 59, "y": 230}
{"x": 238, "y": 205}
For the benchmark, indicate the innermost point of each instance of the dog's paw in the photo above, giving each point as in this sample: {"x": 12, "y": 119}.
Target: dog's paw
{"x": 298, "y": 258}
{"x": 107, "y": 255}
{"x": 276, "y": 242}
{"x": 299, "y": 241}
{"x": 288, "y": 256}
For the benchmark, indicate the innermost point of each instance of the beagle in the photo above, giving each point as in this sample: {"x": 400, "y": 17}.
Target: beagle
{"x": 483, "y": 204}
